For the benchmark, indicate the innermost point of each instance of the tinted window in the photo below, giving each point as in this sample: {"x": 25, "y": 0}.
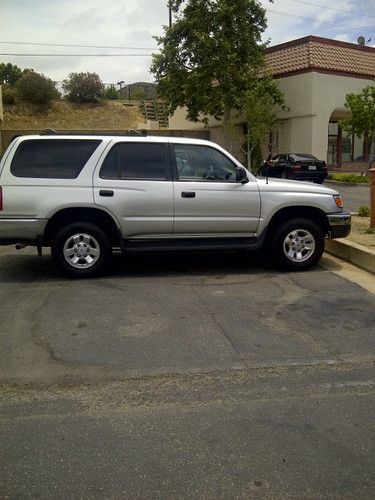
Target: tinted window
{"x": 135, "y": 161}
{"x": 302, "y": 157}
{"x": 197, "y": 163}
{"x": 52, "y": 158}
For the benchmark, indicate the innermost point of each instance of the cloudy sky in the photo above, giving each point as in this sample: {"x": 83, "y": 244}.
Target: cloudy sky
{"x": 131, "y": 25}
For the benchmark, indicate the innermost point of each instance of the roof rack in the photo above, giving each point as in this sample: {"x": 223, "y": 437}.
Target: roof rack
{"x": 131, "y": 132}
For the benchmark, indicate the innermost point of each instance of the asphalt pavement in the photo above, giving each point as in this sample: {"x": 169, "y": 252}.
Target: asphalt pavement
{"x": 180, "y": 376}
{"x": 354, "y": 195}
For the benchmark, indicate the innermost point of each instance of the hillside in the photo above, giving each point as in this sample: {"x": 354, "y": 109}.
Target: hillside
{"x": 63, "y": 115}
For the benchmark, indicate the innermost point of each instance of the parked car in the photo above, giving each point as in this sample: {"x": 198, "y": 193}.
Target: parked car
{"x": 297, "y": 166}
{"x": 85, "y": 195}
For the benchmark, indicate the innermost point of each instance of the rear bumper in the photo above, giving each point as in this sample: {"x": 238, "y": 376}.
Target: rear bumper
{"x": 308, "y": 175}
{"x": 14, "y": 230}
{"x": 339, "y": 224}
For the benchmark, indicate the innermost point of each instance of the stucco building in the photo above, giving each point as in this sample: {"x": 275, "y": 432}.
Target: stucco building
{"x": 315, "y": 75}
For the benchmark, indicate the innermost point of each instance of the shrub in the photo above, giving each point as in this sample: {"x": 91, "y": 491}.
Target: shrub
{"x": 10, "y": 73}
{"x": 355, "y": 179}
{"x": 9, "y": 94}
{"x": 83, "y": 87}
{"x": 138, "y": 94}
{"x": 364, "y": 211}
{"x": 36, "y": 88}
{"x": 111, "y": 93}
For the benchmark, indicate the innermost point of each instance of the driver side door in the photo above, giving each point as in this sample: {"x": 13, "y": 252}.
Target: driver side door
{"x": 209, "y": 202}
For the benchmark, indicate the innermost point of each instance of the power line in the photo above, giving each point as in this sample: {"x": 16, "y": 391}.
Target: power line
{"x": 74, "y": 55}
{"x": 333, "y": 8}
{"x": 74, "y": 45}
{"x": 317, "y": 20}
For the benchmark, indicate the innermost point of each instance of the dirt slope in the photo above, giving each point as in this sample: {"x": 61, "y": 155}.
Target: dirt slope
{"x": 63, "y": 115}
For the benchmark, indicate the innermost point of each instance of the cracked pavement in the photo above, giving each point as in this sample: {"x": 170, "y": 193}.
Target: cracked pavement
{"x": 176, "y": 376}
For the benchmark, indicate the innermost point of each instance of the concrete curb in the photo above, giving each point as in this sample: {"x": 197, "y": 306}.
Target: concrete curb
{"x": 357, "y": 254}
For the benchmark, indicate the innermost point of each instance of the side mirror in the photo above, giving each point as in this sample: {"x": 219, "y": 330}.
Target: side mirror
{"x": 241, "y": 175}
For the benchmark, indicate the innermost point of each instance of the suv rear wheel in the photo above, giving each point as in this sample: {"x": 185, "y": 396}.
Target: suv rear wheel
{"x": 81, "y": 250}
{"x": 298, "y": 244}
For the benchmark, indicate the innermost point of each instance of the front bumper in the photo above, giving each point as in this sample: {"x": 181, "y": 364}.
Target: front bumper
{"x": 340, "y": 224}
{"x": 14, "y": 230}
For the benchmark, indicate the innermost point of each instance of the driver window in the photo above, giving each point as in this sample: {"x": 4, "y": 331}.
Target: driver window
{"x": 203, "y": 163}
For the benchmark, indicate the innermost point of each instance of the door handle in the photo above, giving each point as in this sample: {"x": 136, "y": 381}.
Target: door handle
{"x": 188, "y": 194}
{"x": 106, "y": 192}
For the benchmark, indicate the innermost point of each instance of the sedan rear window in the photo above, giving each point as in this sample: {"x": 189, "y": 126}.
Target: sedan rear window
{"x": 302, "y": 157}
{"x": 52, "y": 158}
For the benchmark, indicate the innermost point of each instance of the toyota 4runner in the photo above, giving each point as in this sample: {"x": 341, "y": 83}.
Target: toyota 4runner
{"x": 85, "y": 195}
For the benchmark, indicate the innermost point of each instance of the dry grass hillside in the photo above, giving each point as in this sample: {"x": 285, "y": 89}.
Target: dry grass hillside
{"x": 63, "y": 115}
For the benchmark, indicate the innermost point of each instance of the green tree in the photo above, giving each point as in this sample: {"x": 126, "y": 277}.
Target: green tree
{"x": 36, "y": 88}
{"x": 259, "y": 112}
{"x": 362, "y": 121}
{"x": 111, "y": 93}
{"x": 10, "y": 73}
{"x": 210, "y": 57}
{"x": 84, "y": 87}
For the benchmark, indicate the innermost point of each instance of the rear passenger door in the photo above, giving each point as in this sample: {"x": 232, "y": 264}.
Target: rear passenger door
{"x": 134, "y": 183}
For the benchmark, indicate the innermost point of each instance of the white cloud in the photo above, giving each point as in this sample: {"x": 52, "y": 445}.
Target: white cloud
{"x": 135, "y": 22}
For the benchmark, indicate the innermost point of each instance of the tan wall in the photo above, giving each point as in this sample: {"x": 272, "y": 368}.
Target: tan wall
{"x": 331, "y": 91}
{"x": 312, "y": 98}
{"x": 232, "y": 144}
{"x": 179, "y": 121}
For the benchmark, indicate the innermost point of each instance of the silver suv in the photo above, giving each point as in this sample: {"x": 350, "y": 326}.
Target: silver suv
{"x": 85, "y": 195}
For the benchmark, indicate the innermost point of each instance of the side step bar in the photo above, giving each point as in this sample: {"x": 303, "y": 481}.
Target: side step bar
{"x": 198, "y": 244}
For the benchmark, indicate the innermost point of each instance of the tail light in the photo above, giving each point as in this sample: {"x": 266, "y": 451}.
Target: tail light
{"x": 297, "y": 167}
{"x": 1, "y": 198}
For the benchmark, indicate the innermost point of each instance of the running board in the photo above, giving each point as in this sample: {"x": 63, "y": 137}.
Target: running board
{"x": 182, "y": 244}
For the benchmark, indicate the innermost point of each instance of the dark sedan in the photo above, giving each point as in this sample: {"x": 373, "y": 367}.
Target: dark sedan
{"x": 297, "y": 166}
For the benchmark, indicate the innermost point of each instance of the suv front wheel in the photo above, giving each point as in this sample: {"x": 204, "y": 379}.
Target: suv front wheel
{"x": 298, "y": 244}
{"x": 81, "y": 250}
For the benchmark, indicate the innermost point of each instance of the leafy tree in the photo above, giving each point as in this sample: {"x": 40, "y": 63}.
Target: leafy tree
{"x": 36, "y": 88}
{"x": 111, "y": 93}
{"x": 10, "y": 73}
{"x": 362, "y": 121}
{"x": 210, "y": 57}
{"x": 259, "y": 112}
{"x": 84, "y": 87}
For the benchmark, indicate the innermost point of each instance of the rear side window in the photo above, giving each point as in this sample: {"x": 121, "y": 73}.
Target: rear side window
{"x": 129, "y": 160}
{"x": 52, "y": 158}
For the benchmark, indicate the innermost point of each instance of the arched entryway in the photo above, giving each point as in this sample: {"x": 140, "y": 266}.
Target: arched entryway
{"x": 343, "y": 148}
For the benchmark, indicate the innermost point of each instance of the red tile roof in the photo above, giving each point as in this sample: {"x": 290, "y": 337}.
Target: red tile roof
{"x": 321, "y": 54}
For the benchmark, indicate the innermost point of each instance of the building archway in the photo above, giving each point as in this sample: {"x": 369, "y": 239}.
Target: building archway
{"x": 343, "y": 148}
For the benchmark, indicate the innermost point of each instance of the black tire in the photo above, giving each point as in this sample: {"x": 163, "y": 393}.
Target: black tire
{"x": 90, "y": 236}
{"x": 298, "y": 232}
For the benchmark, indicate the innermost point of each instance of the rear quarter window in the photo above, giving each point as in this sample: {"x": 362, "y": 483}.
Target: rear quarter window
{"x": 52, "y": 158}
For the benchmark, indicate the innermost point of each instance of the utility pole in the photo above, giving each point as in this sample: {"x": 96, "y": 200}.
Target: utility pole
{"x": 170, "y": 16}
